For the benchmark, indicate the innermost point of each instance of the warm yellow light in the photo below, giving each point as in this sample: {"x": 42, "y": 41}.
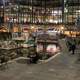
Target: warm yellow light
{"x": 62, "y": 28}
{"x": 32, "y": 27}
{"x": 15, "y": 29}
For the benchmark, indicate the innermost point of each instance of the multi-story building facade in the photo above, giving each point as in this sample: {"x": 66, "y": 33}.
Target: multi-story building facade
{"x": 49, "y": 13}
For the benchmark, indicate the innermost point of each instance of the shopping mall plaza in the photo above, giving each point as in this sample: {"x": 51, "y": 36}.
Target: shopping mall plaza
{"x": 39, "y": 39}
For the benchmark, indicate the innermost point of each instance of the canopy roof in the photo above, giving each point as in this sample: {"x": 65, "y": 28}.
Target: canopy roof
{"x": 48, "y": 3}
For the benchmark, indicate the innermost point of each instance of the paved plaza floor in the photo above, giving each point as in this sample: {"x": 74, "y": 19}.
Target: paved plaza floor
{"x": 63, "y": 67}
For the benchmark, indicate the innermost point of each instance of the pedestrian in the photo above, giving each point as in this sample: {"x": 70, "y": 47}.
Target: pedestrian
{"x": 73, "y": 47}
{"x": 36, "y": 57}
{"x": 33, "y": 57}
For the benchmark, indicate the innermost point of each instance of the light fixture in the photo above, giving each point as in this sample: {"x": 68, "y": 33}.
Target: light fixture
{"x": 32, "y": 27}
{"x": 55, "y": 21}
{"x": 51, "y": 20}
{"x": 66, "y": 10}
{"x": 55, "y": 12}
{"x": 78, "y": 11}
{"x": 62, "y": 28}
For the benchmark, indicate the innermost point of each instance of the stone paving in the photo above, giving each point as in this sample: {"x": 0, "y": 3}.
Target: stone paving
{"x": 63, "y": 67}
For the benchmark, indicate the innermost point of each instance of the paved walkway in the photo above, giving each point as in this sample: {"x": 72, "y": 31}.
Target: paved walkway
{"x": 62, "y": 67}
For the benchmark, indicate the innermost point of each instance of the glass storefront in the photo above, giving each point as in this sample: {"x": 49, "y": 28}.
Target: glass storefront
{"x": 53, "y": 12}
{"x": 71, "y": 12}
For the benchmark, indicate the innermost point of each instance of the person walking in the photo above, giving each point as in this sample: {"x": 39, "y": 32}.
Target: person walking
{"x": 73, "y": 47}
